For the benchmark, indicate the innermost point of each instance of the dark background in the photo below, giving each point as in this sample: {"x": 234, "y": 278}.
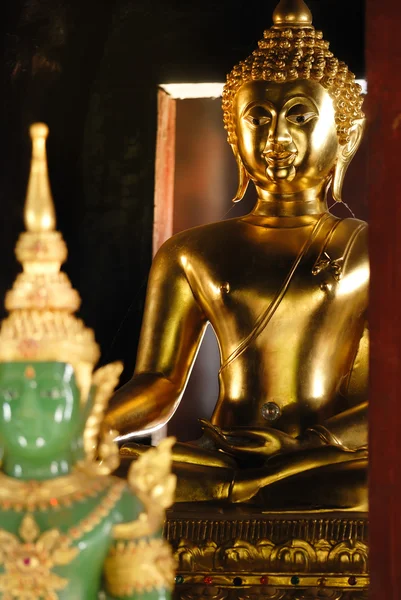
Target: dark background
{"x": 90, "y": 70}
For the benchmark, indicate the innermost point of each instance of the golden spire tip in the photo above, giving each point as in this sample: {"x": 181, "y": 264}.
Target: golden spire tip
{"x": 38, "y": 130}
{"x": 39, "y": 212}
{"x": 292, "y": 13}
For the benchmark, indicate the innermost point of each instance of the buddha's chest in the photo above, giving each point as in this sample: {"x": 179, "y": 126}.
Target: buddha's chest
{"x": 54, "y": 554}
{"x": 283, "y": 281}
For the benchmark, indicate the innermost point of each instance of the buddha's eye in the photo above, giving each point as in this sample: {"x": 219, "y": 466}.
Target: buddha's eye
{"x": 258, "y": 116}
{"x": 258, "y": 121}
{"x": 53, "y": 393}
{"x": 300, "y": 115}
{"x": 8, "y": 394}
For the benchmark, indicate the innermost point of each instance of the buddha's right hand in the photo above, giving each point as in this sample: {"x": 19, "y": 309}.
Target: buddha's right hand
{"x": 243, "y": 442}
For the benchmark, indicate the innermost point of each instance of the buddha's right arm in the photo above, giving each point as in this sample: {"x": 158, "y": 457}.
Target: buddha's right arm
{"x": 172, "y": 330}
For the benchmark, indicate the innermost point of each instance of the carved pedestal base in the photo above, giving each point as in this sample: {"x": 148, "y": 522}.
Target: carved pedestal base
{"x": 269, "y": 593}
{"x": 241, "y": 554}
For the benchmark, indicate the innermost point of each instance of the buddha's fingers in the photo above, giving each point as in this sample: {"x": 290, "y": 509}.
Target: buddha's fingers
{"x": 243, "y": 442}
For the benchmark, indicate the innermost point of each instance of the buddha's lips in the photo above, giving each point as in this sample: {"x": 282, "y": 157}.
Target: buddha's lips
{"x": 280, "y": 160}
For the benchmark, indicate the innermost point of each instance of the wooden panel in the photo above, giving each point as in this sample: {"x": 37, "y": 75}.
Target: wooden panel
{"x": 384, "y": 184}
{"x": 164, "y": 170}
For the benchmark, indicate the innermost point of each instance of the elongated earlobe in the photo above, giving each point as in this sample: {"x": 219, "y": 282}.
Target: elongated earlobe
{"x": 243, "y": 177}
{"x": 346, "y": 154}
{"x": 338, "y": 181}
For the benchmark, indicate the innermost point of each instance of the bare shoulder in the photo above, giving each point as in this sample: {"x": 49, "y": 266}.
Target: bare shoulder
{"x": 356, "y": 233}
{"x": 349, "y": 248}
{"x": 200, "y": 239}
{"x": 352, "y": 225}
{"x": 350, "y": 236}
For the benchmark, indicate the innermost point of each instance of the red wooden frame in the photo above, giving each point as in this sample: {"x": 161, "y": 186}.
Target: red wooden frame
{"x": 383, "y": 53}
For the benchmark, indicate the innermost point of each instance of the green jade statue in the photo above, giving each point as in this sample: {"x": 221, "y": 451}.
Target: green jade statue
{"x": 67, "y": 528}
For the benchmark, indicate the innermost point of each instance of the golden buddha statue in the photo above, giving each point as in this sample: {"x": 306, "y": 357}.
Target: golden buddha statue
{"x": 285, "y": 289}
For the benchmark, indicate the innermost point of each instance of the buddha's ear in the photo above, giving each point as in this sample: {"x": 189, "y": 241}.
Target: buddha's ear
{"x": 345, "y": 154}
{"x": 104, "y": 381}
{"x": 83, "y": 377}
{"x": 243, "y": 177}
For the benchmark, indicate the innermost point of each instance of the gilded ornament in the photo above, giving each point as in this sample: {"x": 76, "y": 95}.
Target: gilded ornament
{"x": 53, "y": 494}
{"x": 139, "y": 566}
{"x": 151, "y": 480}
{"x": 28, "y": 564}
{"x": 265, "y": 556}
{"x": 105, "y": 381}
{"x": 320, "y": 556}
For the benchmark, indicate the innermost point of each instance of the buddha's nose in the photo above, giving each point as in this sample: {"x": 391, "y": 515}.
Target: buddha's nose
{"x": 28, "y": 405}
{"x": 278, "y": 133}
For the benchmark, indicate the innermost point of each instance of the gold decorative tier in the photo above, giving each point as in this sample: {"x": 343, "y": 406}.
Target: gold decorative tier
{"x": 239, "y": 553}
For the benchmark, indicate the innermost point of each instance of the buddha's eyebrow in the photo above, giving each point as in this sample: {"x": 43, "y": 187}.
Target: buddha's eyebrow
{"x": 301, "y": 98}
{"x": 261, "y": 102}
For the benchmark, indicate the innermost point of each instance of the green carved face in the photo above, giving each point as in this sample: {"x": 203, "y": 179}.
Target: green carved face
{"x": 39, "y": 408}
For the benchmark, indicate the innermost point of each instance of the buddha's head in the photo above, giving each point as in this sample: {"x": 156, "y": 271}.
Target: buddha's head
{"x": 40, "y": 408}
{"x": 292, "y": 110}
{"x": 49, "y": 393}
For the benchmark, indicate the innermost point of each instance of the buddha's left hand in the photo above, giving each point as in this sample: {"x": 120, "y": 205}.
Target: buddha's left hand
{"x": 267, "y": 442}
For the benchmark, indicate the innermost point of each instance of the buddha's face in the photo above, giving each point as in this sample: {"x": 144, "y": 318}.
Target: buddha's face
{"x": 39, "y": 408}
{"x": 286, "y": 133}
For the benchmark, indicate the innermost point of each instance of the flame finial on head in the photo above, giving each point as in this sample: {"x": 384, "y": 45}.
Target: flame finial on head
{"x": 292, "y": 13}
{"x": 39, "y": 209}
